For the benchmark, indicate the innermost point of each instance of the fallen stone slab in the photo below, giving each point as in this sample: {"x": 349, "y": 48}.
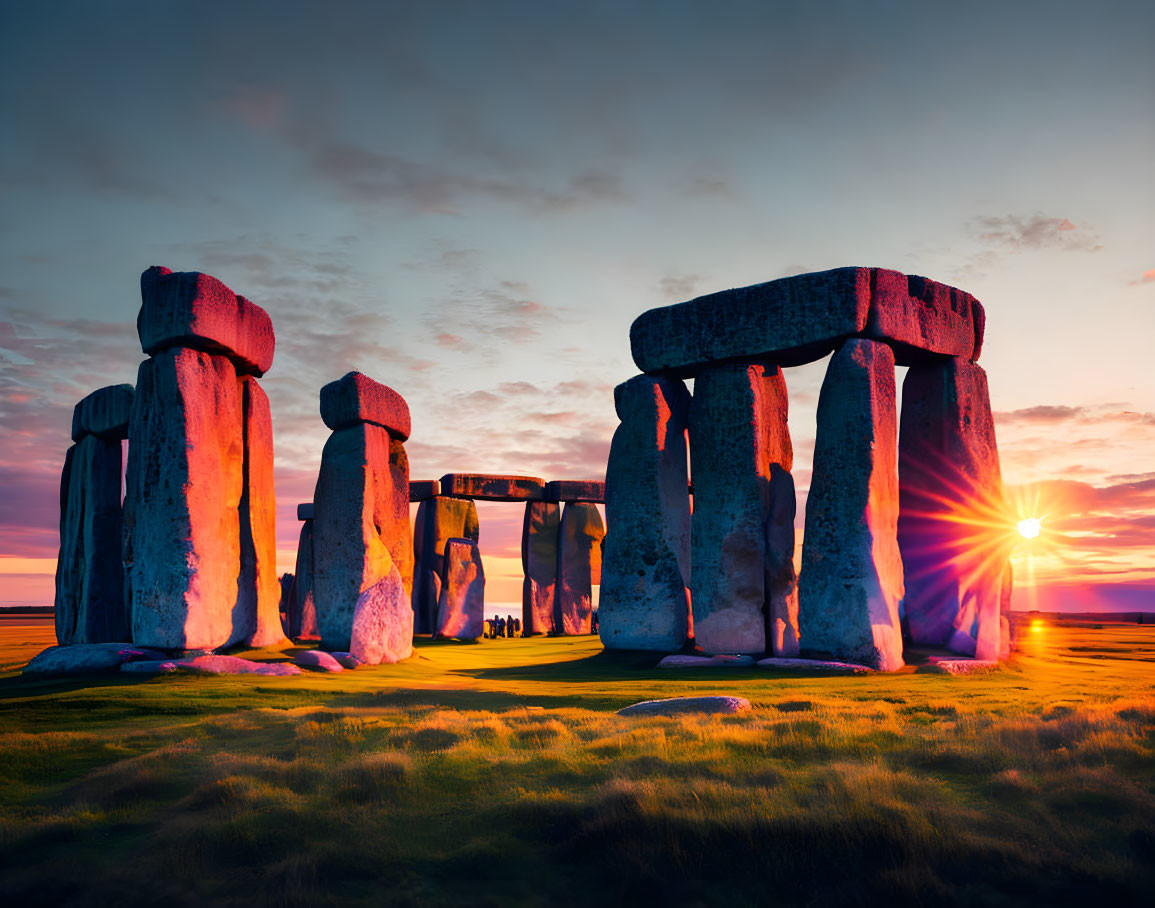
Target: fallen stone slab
{"x": 234, "y": 665}
{"x": 356, "y": 398}
{"x": 305, "y": 511}
{"x": 493, "y": 487}
{"x": 720, "y": 661}
{"x": 347, "y": 660}
{"x": 957, "y": 666}
{"x": 593, "y": 490}
{"x": 678, "y": 706}
{"x": 191, "y": 309}
{"x": 104, "y": 413}
{"x": 319, "y": 659}
{"x": 818, "y": 665}
{"x": 87, "y": 658}
{"x": 796, "y": 320}
{"x": 150, "y": 667}
{"x": 423, "y": 489}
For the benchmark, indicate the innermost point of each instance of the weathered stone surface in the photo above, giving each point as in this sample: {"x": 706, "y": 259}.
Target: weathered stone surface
{"x": 492, "y": 487}
{"x": 951, "y": 495}
{"x": 355, "y": 527}
{"x": 644, "y": 601}
{"x": 355, "y": 398}
{"x": 318, "y": 659}
{"x": 421, "y": 489}
{"x": 720, "y": 660}
{"x": 579, "y": 566}
{"x": 738, "y": 431}
{"x": 305, "y": 510}
{"x": 958, "y": 666}
{"x": 150, "y": 667}
{"x": 85, "y": 658}
{"x": 233, "y": 665}
{"x": 256, "y": 617}
{"x": 781, "y": 579}
{"x": 91, "y": 603}
{"x": 539, "y": 545}
{"x": 851, "y": 582}
{"x": 383, "y": 623}
{"x": 183, "y": 490}
{"x": 818, "y": 665}
{"x": 678, "y": 706}
{"x": 576, "y": 490}
{"x": 190, "y": 309}
{"x": 438, "y": 520}
{"x": 400, "y": 536}
{"x": 347, "y": 660}
{"x": 799, "y": 319}
{"x": 104, "y": 412}
{"x": 302, "y": 605}
{"x": 461, "y": 605}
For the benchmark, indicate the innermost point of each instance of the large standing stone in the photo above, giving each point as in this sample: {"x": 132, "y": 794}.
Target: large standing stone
{"x": 539, "y": 544}
{"x": 183, "y": 490}
{"x": 954, "y": 553}
{"x": 738, "y": 432}
{"x": 355, "y": 398}
{"x": 104, "y": 412}
{"x": 91, "y": 602}
{"x": 579, "y": 566}
{"x": 799, "y": 319}
{"x": 493, "y": 487}
{"x": 461, "y": 607}
{"x": 781, "y": 580}
{"x": 302, "y": 610}
{"x": 382, "y": 629}
{"x": 400, "y": 537}
{"x": 851, "y": 583}
{"x": 644, "y": 601}
{"x": 353, "y": 526}
{"x": 256, "y": 619}
{"x": 190, "y": 309}
{"x": 439, "y": 519}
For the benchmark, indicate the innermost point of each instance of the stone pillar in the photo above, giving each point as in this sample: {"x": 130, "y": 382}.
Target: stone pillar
{"x": 781, "y": 579}
{"x": 738, "y": 431}
{"x": 302, "y": 623}
{"x": 439, "y": 519}
{"x": 189, "y": 469}
{"x": 952, "y": 526}
{"x": 579, "y": 566}
{"x": 461, "y": 606}
{"x": 540, "y": 530}
{"x": 356, "y": 524}
{"x": 644, "y": 600}
{"x": 92, "y": 603}
{"x": 851, "y": 581}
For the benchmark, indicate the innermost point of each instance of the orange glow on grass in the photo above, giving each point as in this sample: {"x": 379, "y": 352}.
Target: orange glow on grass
{"x": 1036, "y": 626}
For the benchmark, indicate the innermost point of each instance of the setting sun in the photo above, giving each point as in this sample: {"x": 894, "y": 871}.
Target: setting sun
{"x": 1030, "y": 527}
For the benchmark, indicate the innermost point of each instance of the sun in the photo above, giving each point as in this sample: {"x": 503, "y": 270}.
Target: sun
{"x": 1029, "y": 527}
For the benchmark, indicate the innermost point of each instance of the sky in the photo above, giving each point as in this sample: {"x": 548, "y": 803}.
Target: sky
{"x": 471, "y": 202}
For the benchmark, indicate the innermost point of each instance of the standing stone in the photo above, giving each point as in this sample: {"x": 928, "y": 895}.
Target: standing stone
{"x": 183, "y": 491}
{"x": 579, "y": 566}
{"x": 400, "y": 536}
{"x": 461, "y": 608}
{"x": 539, "y": 543}
{"x": 951, "y": 505}
{"x": 354, "y": 511}
{"x": 781, "y": 580}
{"x": 382, "y": 626}
{"x": 302, "y": 611}
{"x": 256, "y": 619}
{"x": 851, "y": 583}
{"x": 738, "y": 431}
{"x": 91, "y": 602}
{"x": 644, "y": 600}
{"x": 439, "y": 519}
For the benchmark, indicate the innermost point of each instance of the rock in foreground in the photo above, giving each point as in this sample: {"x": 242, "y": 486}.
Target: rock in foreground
{"x": 676, "y": 706}
{"x": 86, "y": 658}
{"x": 820, "y": 665}
{"x": 720, "y": 661}
{"x": 319, "y": 659}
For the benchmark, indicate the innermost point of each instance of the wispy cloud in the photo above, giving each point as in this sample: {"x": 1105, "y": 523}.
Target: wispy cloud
{"x": 1017, "y": 233}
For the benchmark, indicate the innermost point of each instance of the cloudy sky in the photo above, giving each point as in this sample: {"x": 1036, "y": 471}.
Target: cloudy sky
{"x": 470, "y": 202}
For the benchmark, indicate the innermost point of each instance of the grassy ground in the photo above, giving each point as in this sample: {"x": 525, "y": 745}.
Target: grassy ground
{"x": 497, "y": 773}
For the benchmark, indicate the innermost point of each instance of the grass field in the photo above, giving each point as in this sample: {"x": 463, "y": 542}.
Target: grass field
{"x": 498, "y": 773}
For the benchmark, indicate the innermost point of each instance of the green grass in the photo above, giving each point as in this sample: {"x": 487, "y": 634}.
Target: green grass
{"x": 498, "y": 773}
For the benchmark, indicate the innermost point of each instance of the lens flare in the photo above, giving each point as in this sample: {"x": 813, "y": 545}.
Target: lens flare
{"x": 1029, "y": 527}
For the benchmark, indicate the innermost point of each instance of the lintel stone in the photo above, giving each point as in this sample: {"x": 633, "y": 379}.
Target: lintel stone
{"x": 356, "y": 398}
{"x": 576, "y": 490}
{"x": 493, "y": 487}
